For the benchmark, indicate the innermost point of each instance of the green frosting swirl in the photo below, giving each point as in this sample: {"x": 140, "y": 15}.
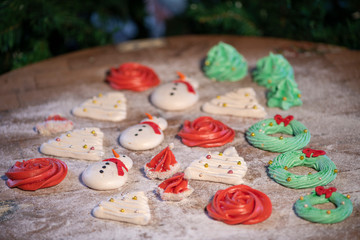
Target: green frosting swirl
{"x": 325, "y": 167}
{"x": 284, "y": 95}
{"x": 304, "y": 208}
{"x": 271, "y": 69}
{"x": 225, "y": 63}
{"x": 257, "y": 135}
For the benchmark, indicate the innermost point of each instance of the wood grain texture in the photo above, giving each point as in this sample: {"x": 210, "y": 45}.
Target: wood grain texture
{"x": 329, "y": 80}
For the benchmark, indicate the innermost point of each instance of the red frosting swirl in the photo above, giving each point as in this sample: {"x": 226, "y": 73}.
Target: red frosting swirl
{"x": 240, "y": 204}
{"x": 132, "y": 76}
{"x": 206, "y": 132}
{"x": 36, "y": 173}
{"x": 176, "y": 184}
{"x": 162, "y": 161}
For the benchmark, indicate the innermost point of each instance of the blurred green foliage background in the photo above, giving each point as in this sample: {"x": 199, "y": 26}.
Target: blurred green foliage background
{"x": 34, "y": 30}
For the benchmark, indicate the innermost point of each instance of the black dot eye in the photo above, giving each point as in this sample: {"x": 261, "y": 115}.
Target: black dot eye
{"x": 176, "y": 84}
{"x": 107, "y": 163}
{"x": 140, "y": 130}
{"x": 171, "y": 94}
{"x": 101, "y": 171}
{"x": 174, "y": 88}
{"x": 143, "y": 125}
{"x": 136, "y": 134}
{"x": 124, "y": 156}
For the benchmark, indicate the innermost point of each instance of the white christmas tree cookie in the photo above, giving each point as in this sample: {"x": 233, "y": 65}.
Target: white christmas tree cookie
{"x": 85, "y": 143}
{"x": 107, "y": 107}
{"x": 227, "y": 167}
{"x": 177, "y": 95}
{"x": 241, "y": 103}
{"x": 145, "y": 135}
{"x": 131, "y": 208}
{"x": 108, "y": 174}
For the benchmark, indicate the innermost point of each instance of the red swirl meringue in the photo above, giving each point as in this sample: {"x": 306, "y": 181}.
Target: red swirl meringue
{"x": 132, "y": 76}
{"x": 240, "y": 204}
{"x": 206, "y": 132}
{"x": 36, "y": 173}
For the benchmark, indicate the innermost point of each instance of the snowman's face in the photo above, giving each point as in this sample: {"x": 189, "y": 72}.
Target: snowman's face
{"x": 140, "y": 137}
{"x": 103, "y": 176}
{"x": 173, "y": 96}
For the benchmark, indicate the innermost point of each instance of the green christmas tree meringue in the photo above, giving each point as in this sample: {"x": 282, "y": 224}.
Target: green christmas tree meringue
{"x": 225, "y": 63}
{"x": 270, "y": 70}
{"x": 285, "y": 95}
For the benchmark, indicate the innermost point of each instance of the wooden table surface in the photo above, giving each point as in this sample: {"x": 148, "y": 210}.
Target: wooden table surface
{"x": 328, "y": 77}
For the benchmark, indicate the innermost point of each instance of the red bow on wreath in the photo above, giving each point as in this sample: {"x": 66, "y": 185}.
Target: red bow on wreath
{"x": 279, "y": 119}
{"x": 320, "y": 190}
{"x": 315, "y": 153}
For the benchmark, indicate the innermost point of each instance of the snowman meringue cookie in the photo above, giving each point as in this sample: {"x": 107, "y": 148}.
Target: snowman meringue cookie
{"x": 145, "y": 135}
{"x": 163, "y": 165}
{"x": 226, "y": 167}
{"x": 84, "y": 143}
{"x": 106, "y": 107}
{"x": 177, "y": 95}
{"x": 131, "y": 208}
{"x": 108, "y": 174}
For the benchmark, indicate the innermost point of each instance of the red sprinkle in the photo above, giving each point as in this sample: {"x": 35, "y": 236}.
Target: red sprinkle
{"x": 92, "y": 148}
{"x": 230, "y": 172}
{"x": 58, "y": 139}
{"x": 208, "y": 156}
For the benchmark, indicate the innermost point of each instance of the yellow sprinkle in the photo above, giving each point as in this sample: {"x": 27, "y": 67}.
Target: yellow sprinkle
{"x": 239, "y": 163}
{"x": 299, "y": 95}
{"x": 252, "y": 134}
{"x": 269, "y": 81}
{"x": 270, "y": 162}
{"x": 84, "y": 109}
{"x": 301, "y": 198}
{"x": 93, "y": 132}
{"x": 206, "y": 165}
{"x": 100, "y": 95}
{"x": 284, "y": 98}
{"x": 309, "y": 173}
{"x": 94, "y": 101}
{"x": 85, "y": 146}
{"x": 224, "y": 105}
{"x": 348, "y": 196}
{"x": 246, "y": 94}
{"x": 288, "y": 179}
{"x": 271, "y": 124}
{"x": 336, "y": 171}
{"x": 68, "y": 135}
{"x": 301, "y": 157}
{"x": 122, "y": 210}
{"x": 118, "y": 101}
{"x": 328, "y": 211}
{"x": 218, "y": 97}
{"x": 286, "y": 168}
{"x": 115, "y": 106}
{"x": 134, "y": 198}
{"x": 305, "y": 131}
{"x": 254, "y": 107}
{"x": 207, "y": 63}
{"x": 220, "y": 154}
{"x": 281, "y": 137}
{"x": 111, "y": 200}
{"x": 233, "y": 68}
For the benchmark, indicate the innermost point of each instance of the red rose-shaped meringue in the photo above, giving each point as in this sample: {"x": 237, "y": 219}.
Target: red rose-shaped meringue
{"x": 36, "y": 173}
{"x": 240, "y": 204}
{"x": 132, "y": 76}
{"x": 206, "y": 132}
